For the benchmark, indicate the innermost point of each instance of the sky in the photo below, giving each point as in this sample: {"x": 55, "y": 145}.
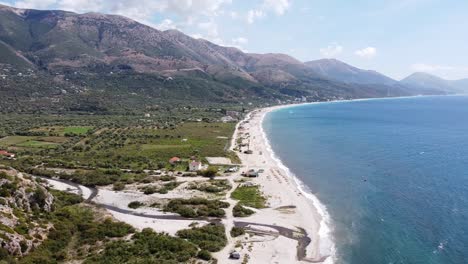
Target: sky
{"x": 394, "y": 37}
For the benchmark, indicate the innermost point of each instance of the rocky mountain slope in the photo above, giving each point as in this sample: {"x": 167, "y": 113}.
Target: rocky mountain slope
{"x": 110, "y": 63}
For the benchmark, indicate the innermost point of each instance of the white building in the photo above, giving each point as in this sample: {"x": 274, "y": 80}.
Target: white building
{"x": 226, "y": 119}
{"x": 195, "y": 166}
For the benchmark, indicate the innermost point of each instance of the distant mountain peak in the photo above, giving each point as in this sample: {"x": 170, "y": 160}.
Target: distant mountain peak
{"x": 341, "y": 71}
{"x": 18, "y": 11}
{"x": 428, "y": 80}
{"x": 328, "y": 60}
{"x": 422, "y": 76}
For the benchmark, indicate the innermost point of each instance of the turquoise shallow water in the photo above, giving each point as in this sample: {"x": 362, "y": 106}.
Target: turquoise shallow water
{"x": 393, "y": 174}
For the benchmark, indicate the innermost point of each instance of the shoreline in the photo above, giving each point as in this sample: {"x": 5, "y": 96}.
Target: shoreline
{"x": 283, "y": 190}
{"x": 278, "y": 107}
{"x": 317, "y": 225}
{"x": 324, "y": 231}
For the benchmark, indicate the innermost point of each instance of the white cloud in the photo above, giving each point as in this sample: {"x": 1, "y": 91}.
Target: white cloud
{"x": 80, "y": 6}
{"x": 234, "y": 15}
{"x": 367, "y": 53}
{"x": 196, "y": 36}
{"x": 331, "y": 50}
{"x": 278, "y": 6}
{"x": 140, "y": 10}
{"x": 166, "y": 24}
{"x": 253, "y": 15}
{"x": 240, "y": 41}
{"x": 210, "y": 28}
{"x": 205, "y": 7}
{"x": 37, "y": 4}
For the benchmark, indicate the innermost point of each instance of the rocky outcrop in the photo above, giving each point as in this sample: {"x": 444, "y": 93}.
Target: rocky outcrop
{"x": 22, "y": 198}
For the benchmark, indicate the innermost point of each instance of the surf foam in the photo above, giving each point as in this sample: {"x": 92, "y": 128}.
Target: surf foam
{"x": 326, "y": 246}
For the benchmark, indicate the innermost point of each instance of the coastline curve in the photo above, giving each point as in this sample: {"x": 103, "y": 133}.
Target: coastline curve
{"x": 326, "y": 244}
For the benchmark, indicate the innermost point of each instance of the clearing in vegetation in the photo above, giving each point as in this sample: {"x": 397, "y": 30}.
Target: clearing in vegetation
{"x": 211, "y": 186}
{"x": 250, "y": 196}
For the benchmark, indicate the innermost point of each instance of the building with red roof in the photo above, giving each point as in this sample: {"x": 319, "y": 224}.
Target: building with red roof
{"x": 174, "y": 160}
{"x": 7, "y": 154}
{"x": 195, "y": 166}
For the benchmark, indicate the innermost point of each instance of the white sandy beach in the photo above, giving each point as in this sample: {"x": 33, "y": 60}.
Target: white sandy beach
{"x": 282, "y": 190}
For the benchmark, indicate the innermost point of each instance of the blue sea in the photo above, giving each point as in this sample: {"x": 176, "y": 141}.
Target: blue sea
{"x": 392, "y": 173}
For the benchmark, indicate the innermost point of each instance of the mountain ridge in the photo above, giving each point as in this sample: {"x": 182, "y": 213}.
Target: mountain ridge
{"x": 93, "y": 54}
{"x": 422, "y": 79}
{"x": 342, "y": 71}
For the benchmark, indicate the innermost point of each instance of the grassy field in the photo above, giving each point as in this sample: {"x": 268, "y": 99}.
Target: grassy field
{"x": 61, "y": 131}
{"x": 32, "y": 141}
{"x": 13, "y": 140}
{"x": 37, "y": 144}
{"x": 249, "y": 196}
{"x": 59, "y": 140}
{"x": 132, "y": 147}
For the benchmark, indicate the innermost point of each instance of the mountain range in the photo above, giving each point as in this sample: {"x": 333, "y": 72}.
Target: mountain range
{"x": 60, "y": 61}
{"x": 335, "y": 69}
{"x": 425, "y": 80}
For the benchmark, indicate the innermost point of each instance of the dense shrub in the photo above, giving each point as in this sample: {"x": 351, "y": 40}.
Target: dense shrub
{"x": 212, "y": 186}
{"x": 118, "y": 186}
{"x": 166, "y": 178}
{"x": 135, "y": 204}
{"x": 210, "y": 237}
{"x": 210, "y": 172}
{"x": 39, "y": 197}
{"x": 237, "y": 231}
{"x": 241, "y": 211}
{"x": 165, "y": 188}
{"x": 204, "y": 255}
{"x": 91, "y": 178}
{"x": 197, "y": 207}
{"x": 90, "y": 232}
{"x": 65, "y": 199}
{"x": 147, "y": 247}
